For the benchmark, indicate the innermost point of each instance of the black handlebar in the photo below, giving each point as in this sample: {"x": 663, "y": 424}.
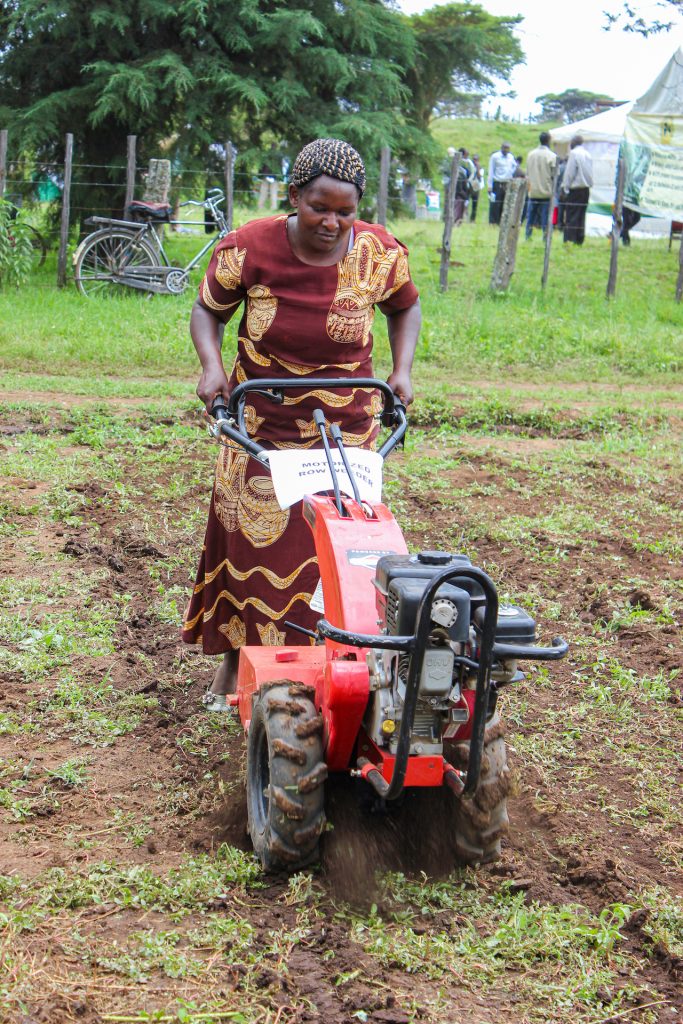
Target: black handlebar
{"x": 555, "y": 652}
{"x": 219, "y": 409}
{"x": 230, "y": 417}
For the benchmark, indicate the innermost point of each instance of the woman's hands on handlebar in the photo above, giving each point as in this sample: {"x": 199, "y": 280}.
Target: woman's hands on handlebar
{"x": 212, "y": 383}
{"x": 400, "y": 383}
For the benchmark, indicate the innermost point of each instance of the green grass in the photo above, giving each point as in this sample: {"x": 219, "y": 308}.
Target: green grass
{"x": 485, "y": 136}
{"x": 525, "y": 335}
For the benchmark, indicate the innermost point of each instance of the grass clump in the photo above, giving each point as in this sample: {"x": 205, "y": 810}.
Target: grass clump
{"x": 198, "y": 883}
{"x": 562, "y": 957}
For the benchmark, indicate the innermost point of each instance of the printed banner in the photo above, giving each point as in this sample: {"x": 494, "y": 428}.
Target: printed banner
{"x": 296, "y": 472}
{"x": 653, "y": 151}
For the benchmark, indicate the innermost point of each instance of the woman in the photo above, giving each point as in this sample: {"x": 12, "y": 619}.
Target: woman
{"x": 309, "y": 282}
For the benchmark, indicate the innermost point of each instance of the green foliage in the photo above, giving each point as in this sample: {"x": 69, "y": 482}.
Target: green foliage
{"x": 629, "y": 20}
{"x": 71, "y": 774}
{"x": 485, "y": 136}
{"x": 197, "y": 882}
{"x": 460, "y": 49}
{"x": 16, "y": 251}
{"x": 570, "y": 105}
{"x": 495, "y": 934}
{"x": 182, "y": 76}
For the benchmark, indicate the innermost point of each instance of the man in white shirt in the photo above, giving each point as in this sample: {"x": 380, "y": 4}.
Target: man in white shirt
{"x": 576, "y": 186}
{"x": 502, "y": 166}
{"x": 540, "y": 170}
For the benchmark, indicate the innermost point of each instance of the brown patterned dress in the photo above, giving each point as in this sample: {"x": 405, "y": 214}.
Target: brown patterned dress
{"x": 258, "y": 565}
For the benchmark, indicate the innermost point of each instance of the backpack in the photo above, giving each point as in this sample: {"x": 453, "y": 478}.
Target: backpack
{"x": 463, "y": 186}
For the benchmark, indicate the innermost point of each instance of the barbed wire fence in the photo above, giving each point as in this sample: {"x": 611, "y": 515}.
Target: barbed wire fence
{"x": 79, "y": 190}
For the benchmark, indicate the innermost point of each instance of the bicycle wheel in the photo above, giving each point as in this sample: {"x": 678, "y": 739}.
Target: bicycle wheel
{"x": 106, "y": 254}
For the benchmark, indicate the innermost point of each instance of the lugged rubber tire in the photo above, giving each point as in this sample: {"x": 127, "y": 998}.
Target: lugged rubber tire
{"x": 285, "y": 776}
{"x": 480, "y": 823}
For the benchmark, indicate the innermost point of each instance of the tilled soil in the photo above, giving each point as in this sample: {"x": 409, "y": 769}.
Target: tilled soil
{"x": 172, "y": 786}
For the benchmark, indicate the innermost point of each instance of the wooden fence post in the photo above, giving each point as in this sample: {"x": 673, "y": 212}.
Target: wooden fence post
{"x": 383, "y": 190}
{"x": 158, "y": 181}
{"x": 130, "y": 172}
{"x": 449, "y": 212}
{"x": 504, "y": 263}
{"x": 157, "y": 188}
{"x": 617, "y": 223}
{"x": 549, "y": 229}
{"x": 679, "y": 282}
{"x": 3, "y": 161}
{"x": 66, "y": 211}
{"x": 230, "y": 153}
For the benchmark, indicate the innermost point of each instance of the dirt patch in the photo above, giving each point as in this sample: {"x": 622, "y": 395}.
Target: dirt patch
{"x": 108, "y": 757}
{"x": 66, "y": 400}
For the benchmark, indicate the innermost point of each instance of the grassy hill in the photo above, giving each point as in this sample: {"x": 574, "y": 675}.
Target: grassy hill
{"x": 484, "y": 137}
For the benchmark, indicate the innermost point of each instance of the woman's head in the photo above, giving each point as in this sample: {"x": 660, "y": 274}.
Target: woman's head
{"x": 331, "y": 157}
{"x": 327, "y": 182}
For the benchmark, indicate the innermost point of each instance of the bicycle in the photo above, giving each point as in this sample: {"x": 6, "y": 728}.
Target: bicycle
{"x": 129, "y": 254}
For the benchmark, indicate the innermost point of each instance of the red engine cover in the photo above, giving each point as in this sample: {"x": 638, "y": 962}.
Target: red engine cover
{"x": 348, "y": 547}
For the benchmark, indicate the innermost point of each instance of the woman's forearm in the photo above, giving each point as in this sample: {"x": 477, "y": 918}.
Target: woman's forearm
{"x": 404, "y": 329}
{"x": 206, "y": 335}
{"x": 206, "y": 332}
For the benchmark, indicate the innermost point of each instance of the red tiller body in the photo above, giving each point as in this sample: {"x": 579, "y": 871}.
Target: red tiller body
{"x": 421, "y": 771}
{"x": 348, "y": 547}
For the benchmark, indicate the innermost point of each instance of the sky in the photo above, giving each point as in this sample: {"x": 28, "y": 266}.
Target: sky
{"x": 566, "y": 47}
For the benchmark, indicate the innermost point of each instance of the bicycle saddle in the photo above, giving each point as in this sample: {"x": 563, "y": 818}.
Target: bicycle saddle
{"x": 149, "y": 211}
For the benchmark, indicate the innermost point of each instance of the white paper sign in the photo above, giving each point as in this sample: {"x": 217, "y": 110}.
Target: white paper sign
{"x": 317, "y": 604}
{"x": 296, "y": 473}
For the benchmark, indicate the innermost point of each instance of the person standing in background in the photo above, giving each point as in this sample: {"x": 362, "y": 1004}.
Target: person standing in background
{"x": 576, "y": 186}
{"x": 561, "y": 209}
{"x": 540, "y": 170}
{"x": 477, "y": 182}
{"x": 502, "y": 167}
{"x": 521, "y": 173}
{"x": 463, "y": 186}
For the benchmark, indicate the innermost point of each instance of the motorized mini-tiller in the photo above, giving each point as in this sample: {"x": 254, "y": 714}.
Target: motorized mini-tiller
{"x": 401, "y": 686}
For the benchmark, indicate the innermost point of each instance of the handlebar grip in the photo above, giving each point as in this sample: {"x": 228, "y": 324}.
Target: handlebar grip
{"x": 219, "y": 409}
{"x": 391, "y": 417}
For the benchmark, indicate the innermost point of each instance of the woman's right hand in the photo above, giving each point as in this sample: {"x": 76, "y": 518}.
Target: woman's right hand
{"x": 213, "y": 382}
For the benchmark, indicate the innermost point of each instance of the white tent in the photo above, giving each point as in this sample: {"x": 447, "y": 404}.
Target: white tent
{"x": 602, "y": 135}
{"x": 607, "y": 127}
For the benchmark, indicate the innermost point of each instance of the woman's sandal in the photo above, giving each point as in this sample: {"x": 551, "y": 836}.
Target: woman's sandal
{"x": 216, "y": 702}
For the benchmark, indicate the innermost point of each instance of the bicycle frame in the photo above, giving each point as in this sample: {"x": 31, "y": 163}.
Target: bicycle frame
{"x": 146, "y": 229}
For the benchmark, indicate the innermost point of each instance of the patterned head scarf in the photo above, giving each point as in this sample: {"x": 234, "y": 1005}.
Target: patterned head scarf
{"x": 332, "y": 157}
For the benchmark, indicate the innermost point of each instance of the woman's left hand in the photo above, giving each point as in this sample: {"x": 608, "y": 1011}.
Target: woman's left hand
{"x": 400, "y": 383}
